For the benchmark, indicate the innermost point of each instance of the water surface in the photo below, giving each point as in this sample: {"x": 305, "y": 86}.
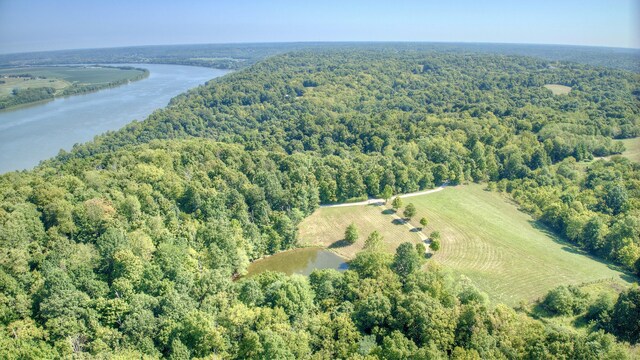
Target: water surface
{"x": 298, "y": 261}
{"x": 31, "y": 134}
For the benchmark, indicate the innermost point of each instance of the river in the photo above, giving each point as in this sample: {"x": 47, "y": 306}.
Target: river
{"x": 31, "y": 134}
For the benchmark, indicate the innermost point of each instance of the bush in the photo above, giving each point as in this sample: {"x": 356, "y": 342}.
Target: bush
{"x": 565, "y": 301}
{"x": 435, "y": 245}
{"x": 600, "y": 310}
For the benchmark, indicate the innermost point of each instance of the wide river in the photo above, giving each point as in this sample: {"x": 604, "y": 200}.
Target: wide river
{"x": 31, "y": 134}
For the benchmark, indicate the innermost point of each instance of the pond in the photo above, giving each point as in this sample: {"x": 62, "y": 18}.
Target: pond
{"x": 298, "y": 261}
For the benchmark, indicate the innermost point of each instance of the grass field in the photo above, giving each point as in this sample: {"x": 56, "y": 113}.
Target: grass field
{"x": 326, "y": 228}
{"x": 502, "y": 249}
{"x": 632, "y": 151}
{"x": 558, "y": 89}
{"x": 484, "y": 237}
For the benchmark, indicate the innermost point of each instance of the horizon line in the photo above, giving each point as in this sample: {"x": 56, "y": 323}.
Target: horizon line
{"x": 321, "y": 42}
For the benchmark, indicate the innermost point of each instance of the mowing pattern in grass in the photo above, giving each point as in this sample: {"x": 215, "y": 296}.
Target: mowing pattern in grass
{"x": 558, "y": 89}
{"x": 326, "y": 228}
{"x": 502, "y": 249}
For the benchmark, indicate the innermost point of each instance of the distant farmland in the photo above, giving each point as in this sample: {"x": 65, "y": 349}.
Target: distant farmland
{"x": 26, "y": 85}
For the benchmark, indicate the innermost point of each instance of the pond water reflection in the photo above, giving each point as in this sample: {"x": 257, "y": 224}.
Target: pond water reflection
{"x": 298, "y": 261}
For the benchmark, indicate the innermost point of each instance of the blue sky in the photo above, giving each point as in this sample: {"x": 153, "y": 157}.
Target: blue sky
{"x": 31, "y": 25}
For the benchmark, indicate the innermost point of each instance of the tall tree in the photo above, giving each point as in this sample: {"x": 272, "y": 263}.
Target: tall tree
{"x": 396, "y": 203}
{"x": 406, "y": 260}
{"x": 387, "y": 193}
{"x": 409, "y": 211}
{"x": 625, "y": 319}
{"x": 351, "y": 234}
{"x": 374, "y": 241}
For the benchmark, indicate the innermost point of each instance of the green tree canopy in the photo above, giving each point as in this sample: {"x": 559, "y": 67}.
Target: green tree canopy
{"x": 351, "y": 234}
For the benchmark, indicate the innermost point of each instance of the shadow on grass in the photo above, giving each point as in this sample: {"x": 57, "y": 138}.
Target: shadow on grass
{"x": 573, "y": 250}
{"x": 570, "y": 248}
{"x": 398, "y": 222}
{"x": 415, "y": 230}
{"x": 339, "y": 244}
{"x": 387, "y": 212}
{"x": 539, "y": 311}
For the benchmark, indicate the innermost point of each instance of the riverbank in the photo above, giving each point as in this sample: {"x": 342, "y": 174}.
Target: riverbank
{"x": 34, "y": 133}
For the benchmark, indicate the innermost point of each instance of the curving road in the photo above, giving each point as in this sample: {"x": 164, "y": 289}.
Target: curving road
{"x": 381, "y": 201}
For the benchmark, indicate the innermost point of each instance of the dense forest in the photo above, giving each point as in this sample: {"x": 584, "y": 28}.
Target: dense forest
{"x": 238, "y": 56}
{"x": 132, "y": 245}
{"x": 412, "y": 121}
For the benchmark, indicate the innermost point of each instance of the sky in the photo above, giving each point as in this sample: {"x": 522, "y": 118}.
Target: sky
{"x": 35, "y": 25}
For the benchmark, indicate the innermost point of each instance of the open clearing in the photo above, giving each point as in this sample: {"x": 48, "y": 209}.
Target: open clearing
{"x": 503, "y": 250}
{"x": 632, "y": 151}
{"x": 558, "y": 89}
{"x": 484, "y": 237}
{"x": 326, "y": 228}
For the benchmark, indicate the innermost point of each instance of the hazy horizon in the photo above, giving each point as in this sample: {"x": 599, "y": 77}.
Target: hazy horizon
{"x": 319, "y": 42}
{"x": 37, "y": 25}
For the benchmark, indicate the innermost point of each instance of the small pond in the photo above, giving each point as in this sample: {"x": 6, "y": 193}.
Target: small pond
{"x": 298, "y": 261}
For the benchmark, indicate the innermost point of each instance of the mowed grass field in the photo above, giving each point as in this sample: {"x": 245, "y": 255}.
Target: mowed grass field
{"x": 483, "y": 236}
{"x": 326, "y": 228}
{"x": 60, "y": 77}
{"x": 632, "y": 151}
{"x": 503, "y": 250}
{"x": 558, "y": 89}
